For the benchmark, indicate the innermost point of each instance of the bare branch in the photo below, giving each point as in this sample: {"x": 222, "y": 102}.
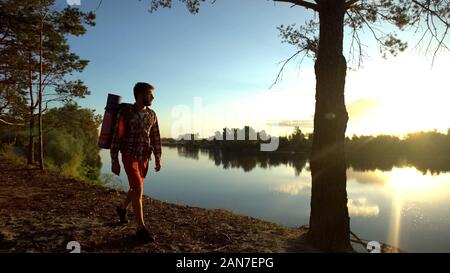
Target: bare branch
{"x": 355, "y": 37}
{"x": 434, "y": 13}
{"x": 302, "y": 3}
{"x": 99, "y": 4}
{"x": 439, "y": 46}
{"x": 285, "y": 62}
{"x": 430, "y": 17}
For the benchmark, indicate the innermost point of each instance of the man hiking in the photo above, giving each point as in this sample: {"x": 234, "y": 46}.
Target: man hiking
{"x": 136, "y": 135}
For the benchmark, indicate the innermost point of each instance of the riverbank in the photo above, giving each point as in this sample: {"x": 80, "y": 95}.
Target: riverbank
{"x": 41, "y": 212}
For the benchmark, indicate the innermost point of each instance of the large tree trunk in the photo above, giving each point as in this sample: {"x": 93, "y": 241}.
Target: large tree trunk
{"x": 31, "y": 125}
{"x": 329, "y": 220}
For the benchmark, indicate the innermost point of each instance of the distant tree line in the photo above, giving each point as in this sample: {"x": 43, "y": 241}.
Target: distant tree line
{"x": 245, "y": 139}
{"x": 426, "y": 151}
{"x": 363, "y": 152}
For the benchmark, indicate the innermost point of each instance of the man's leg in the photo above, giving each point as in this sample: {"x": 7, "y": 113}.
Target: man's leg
{"x": 135, "y": 181}
{"x": 137, "y": 205}
{"x": 133, "y": 169}
{"x": 128, "y": 199}
{"x": 122, "y": 208}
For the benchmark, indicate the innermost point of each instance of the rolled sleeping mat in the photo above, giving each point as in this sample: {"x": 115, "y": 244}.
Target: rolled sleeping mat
{"x": 113, "y": 105}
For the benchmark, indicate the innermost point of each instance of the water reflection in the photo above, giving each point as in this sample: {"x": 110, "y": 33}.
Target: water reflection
{"x": 408, "y": 185}
{"x": 245, "y": 160}
{"x": 248, "y": 160}
{"x": 361, "y": 207}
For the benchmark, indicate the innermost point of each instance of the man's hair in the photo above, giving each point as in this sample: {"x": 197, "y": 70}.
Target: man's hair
{"x": 141, "y": 87}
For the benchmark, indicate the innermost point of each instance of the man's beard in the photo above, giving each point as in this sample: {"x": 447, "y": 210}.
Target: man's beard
{"x": 147, "y": 102}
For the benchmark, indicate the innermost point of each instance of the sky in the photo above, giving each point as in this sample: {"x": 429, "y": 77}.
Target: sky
{"x": 215, "y": 69}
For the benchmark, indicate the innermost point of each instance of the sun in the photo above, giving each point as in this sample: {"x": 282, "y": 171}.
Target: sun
{"x": 411, "y": 96}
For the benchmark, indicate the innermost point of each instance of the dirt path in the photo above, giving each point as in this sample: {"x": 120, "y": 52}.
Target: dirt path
{"x": 42, "y": 212}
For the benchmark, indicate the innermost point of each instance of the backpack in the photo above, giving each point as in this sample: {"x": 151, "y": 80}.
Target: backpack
{"x": 113, "y": 106}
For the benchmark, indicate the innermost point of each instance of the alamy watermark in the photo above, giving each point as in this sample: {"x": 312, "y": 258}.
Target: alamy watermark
{"x": 74, "y": 246}
{"x": 373, "y": 247}
{"x": 190, "y": 122}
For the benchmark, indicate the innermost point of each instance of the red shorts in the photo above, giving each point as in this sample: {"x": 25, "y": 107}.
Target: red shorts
{"x": 136, "y": 170}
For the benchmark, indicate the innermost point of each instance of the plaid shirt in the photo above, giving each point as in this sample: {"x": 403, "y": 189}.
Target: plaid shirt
{"x": 136, "y": 135}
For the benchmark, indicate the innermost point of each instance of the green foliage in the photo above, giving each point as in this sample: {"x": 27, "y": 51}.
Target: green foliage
{"x": 305, "y": 38}
{"x": 70, "y": 141}
{"x": 7, "y": 151}
{"x": 64, "y": 152}
{"x": 76, "y": 127}
{"x": 192, "y": 5}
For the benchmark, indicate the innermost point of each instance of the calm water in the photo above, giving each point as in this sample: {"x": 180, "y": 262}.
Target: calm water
{"x": 402, "y": 207}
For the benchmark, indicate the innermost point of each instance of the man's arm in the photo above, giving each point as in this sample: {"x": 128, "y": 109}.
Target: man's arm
{"x": 119, "y": 131}
{"x": 155, "y": 140}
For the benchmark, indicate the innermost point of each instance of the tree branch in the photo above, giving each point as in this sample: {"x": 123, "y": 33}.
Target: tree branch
{"x": 10, "y": 123}
{"x": 285, "y": 62}
{"x": 302, "y": 3}
{"x": 350, "y": 3}
{"x": 432, "y": 12}
{"x": 355, "y": 37}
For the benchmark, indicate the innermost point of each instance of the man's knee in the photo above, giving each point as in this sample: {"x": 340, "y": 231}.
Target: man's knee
{"x": 137, "y": 189}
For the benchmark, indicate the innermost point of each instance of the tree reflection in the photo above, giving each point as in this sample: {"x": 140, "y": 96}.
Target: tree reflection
{"x": 245, "y": 160}
{"x": 358, "y": 161}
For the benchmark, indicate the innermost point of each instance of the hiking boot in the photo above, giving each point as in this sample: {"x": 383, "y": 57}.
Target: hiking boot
{"x": 144, "y": 235}
{"x": 122, "y": 215}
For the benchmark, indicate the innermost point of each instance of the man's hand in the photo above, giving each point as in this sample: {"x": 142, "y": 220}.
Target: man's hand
{"x": 115, "y": 167}
{"x": 157, "y": 166}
